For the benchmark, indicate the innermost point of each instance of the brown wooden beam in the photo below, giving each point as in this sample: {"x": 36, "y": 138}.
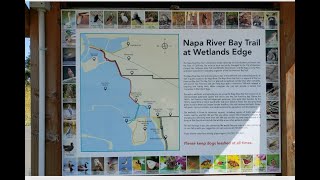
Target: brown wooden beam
{"x": 26, "y": 21}
{"x": 53, "y": 112}
{"x": 287, "y": 58}
{"x": 34, "y": 61}
{"x": 53, "y": 91}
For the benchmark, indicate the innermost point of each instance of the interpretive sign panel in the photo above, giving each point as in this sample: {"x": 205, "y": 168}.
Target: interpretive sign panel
{"x": 170, "y": 92}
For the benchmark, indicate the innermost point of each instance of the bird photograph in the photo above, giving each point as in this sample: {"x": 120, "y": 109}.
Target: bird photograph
{"x": 112, "y": 164}
{"x": 68, "y": 166}
{"x": 69, "y": 112}
{"x": 68, "y": 24}
{"x": 271, "y": 38}
{"x": 68, "y": 132}
{"x": 83, "y": 167}
{"x": 124, "y": 18}
{"x": 69, "y": 57}
{"x": 83, "y": 19}
{"x": 124, "y": 169}
{"x": 68, "y": 17}
{"x": 137, "y": 18}
{"x": 109, "y": 18}
{"x": 96, "y": 19}
{"x": 97, "y": 164}
{"x": 69, "y": 37}
{"x": 68, "y": 148}
{"x": 69, "y": 91}
{"x": 70, "y": 109}
{"x": 125, "y": 164}
{"x": 69, "y": 74}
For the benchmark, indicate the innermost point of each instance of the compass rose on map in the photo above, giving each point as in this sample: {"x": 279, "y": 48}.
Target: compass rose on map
{"x": 164, "y": 45}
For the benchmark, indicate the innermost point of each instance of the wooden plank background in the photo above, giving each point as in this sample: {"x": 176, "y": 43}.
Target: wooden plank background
{"x": 53, "y": 89}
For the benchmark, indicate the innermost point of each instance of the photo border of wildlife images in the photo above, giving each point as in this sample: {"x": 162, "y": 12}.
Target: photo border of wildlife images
{"x": 69, "y": 24}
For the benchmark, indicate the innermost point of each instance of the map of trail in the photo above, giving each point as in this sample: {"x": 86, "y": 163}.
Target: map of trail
{"x": 129, "y": 92}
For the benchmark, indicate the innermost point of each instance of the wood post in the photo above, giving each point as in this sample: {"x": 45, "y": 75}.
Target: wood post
{"x": 287, "y": 58}
{"x": 26, "y": 21}
{"x": 34, "y": 61}
{"x": 53, "y": 91}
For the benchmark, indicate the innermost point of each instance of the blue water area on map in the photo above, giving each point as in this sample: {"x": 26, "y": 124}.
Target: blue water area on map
{"x": 115, "y": 44}
{"x": 86, "y": 46}
{"x": 111, "y": 45}
{"x": 98, "y": 42}
{"x": 111, "y": 108}
{"x": 95, "y": 52}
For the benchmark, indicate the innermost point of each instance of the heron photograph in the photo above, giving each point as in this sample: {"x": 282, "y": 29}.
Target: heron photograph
{"x": 68, "y": 19}
{"x": 69, "y": 111}
{"x": 69, "y": 129}
{"x": 124, "y": 19}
